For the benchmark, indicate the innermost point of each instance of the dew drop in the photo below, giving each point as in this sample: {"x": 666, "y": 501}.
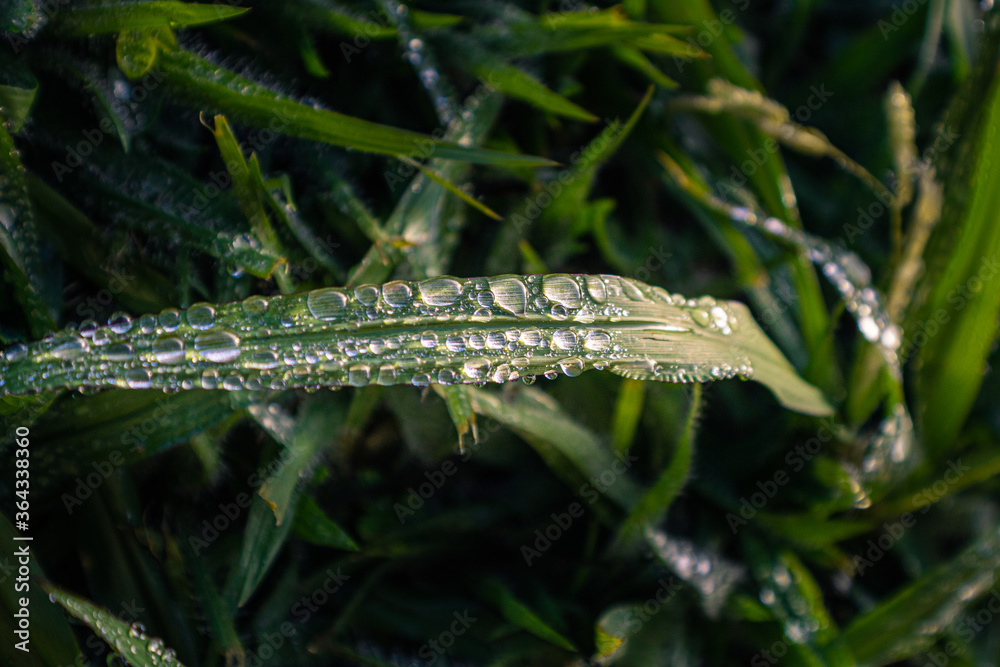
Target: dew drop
{"x": 147, "y": 324}
{"x": 119, "y": 352}
{"x": 597, "y": 341}
{"x": 138, "y": 378}
{"x": 477, "y": 341}
{"x": 201, "y": 316}
{"x": 486, "y": 299}
{"x": 595, "y": 287}
{"x": 359, "y": 376}
{"x": 440, "y": 291}
{"x": 255, "y": 305}
{"x": 263, "y": 360}
{"x": 70, "y": 348}
{"x": 170, "y": 319}
{"x": 531, "y": 337}
{"x": 210, "y": 379}
{"x": 511, "y": 294}
{"x": 563, "y": 290}
{"x": 397, "y": 294}
{"x": 366, "y": 294}
{"x": 429, "y": 339}
{"x": 701, "y": 317}
{"x": 571, "y": 367}
{"x": 168, "y": 350}
{"x": 564, "y": 339}
{"x": 120, "y": 323}
{"x": 421, "y": 380}
{"x": 218, "y": 346}
{"x": 455, "y": 344}
{"x": 17, "y": 352}
{"x": 326, "y": 304}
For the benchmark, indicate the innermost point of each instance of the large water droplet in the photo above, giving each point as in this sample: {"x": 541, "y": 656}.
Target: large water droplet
{"x": 440, "y": 291}
{"x": 168, "y": 350}
{"x": 571, "y": 367}
{"x": 201, "y": 316}
{"x": 366, "y": 294}
{"x": 170, "y": 319}
{"x": 218, "y": 346}
{"x": 562, "y": 289}
{"x": 70, "y": 348}
{"x": 511, "y": 294}
{"x": 397, "y": 294}
{"x": 120, "y": 323}
{"x": 327, "y": 304}
{"x": 138, "y": 378}
{"x": 597, "y": 341}
{"x": 564, "y": 339}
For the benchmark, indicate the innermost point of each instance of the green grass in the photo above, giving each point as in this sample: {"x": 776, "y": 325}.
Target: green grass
{"x": 305, "y": 456}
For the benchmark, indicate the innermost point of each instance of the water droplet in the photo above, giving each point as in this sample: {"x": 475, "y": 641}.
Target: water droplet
{"x": 429, "y": 339}
{"x": 210, "y": 378}
{"x": 169, "y": 350}
{"x": 170, "y": 319}
{"x": 571, "y": 367}
{"x": 70, "y": 348}
{"x": 218, "y": 346}
{"x": 397, "y": 294}
{"x": 16, "y": 352}
{"x": 564, "y": 339}
{"x": 138, "y": 378}
{"x": 359, "y": 376}
{"x": 147, "y": 324}
{"x": 595, "y": 287}
{"x": 511, "y": 294}
{"x": 440, "y": 291}
{"x": 326, "y": 304}
{"x": 477, "y": 341}
{"x": 263, "y": 360}
{"x": 455, "y": 344}
{"x": 255, "y": 305}
{"x": 119, "y": 352}
{"x": 477, "y": 369}
{"x": 531, "y": 337}
{"x": 366, "y": 294}
{"x": 486, "y": 299}
{"x": 421, "y": 380}
{"x": 562, "y": 289}
{"x": 495, "y": 340}
{"x": 201, "y": 316}
{"x": 120, "y": 323}
{"x": 701, "y": 317}
{"x": 597, "y": 341}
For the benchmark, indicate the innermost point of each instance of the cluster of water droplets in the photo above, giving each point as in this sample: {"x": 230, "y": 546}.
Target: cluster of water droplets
{"x": 130, "y": 641}
{"x": 706, "y": 570}
{"x": 443, "y": 330}
{"x": 848, "y": 274}
{"x": 892, "y": 444}
{"x": 415, "y": 52}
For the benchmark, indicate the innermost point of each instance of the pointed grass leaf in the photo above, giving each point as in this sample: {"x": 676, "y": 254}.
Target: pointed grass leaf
{"x": 443, "y": 330}
{"x": 132, "y": 641}
{"x": 121, "y": 15}
{"x": 205, "y": 85}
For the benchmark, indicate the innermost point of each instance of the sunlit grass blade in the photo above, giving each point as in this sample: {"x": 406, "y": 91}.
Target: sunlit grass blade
{"x": 442, "y": 330}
